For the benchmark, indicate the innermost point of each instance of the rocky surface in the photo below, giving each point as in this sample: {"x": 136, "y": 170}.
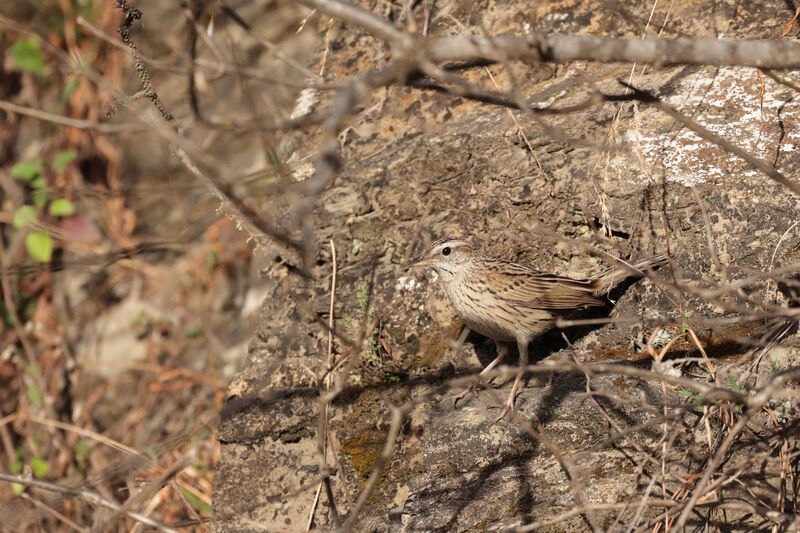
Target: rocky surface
{"x": 420, "y": 165}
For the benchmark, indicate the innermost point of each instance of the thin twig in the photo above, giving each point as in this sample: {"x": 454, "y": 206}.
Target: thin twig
{"x": 323, "y": 431}
{"x": 49, "y": 510}
{"x": 87, "y": 495}
{"x": 71, "y": 122}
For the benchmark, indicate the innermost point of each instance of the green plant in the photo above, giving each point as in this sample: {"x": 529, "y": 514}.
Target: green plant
{"x": 198, "y": 504}
{"x": 17, "y": 467}
{"x": 37, "y": 466}
{"x": 34, "y": 392}
{"x": 81, "y": 453}
{"x": 27, "y": 55}
{"x": 782, "y": 408}
{"x": 735, "y": 388}
{"x": 38, "y": 241}
{"x": 364, "y": 320}
{"x": 692, "y": 397}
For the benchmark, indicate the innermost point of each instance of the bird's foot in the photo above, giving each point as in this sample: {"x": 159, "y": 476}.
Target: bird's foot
{"x": 507, "y": 407}
{"x": 475, "y": 385}
{"x": 472, "y": 386}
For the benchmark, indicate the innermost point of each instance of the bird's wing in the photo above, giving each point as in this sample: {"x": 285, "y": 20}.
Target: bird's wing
{"x": 529, "y": 288}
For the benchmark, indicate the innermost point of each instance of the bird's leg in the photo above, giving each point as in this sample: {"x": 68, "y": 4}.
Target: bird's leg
{"x": 502, "y": 351}
{"x": 523, "y": 364}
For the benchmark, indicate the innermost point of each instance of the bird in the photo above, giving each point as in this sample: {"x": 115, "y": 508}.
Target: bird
{"x": 509, "y": 302}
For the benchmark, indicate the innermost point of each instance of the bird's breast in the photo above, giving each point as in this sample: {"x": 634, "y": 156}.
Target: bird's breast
{"x": 484, "y": 312}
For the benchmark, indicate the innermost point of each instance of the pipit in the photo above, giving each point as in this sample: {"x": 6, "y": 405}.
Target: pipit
{"x": 509, "y": 302}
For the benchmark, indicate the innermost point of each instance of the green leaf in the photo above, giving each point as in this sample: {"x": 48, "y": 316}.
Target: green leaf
{"x": 693, "y": 397}
{"x": 39, "y": 466}
{"x": 38, "y": 182}
{"x": 32, "y": 370}
{"x": 24, "y": 216}
{"x": 733, "y": 384}
{"x": 81, "y": 448}
{"x": 40, "y": 197}
{"x": 28, "y": 56}
{"x": 63, "y": 159}
{"x": 26, "y": 170}
{"x": 151, "y": 452}
{"x": 61, "y": 207}
{"x": 192, "y": 330}
{"x": 6, "y": 316}
{"x": 194, "y": 500}
{"x": 40, "y": 246}
{"x": 35, "y": 395}
{"x": 69, "y": 88}
{"x": 28, "y": 309}
{"x": 17, "y": 488}
{"x": 211, "y": 260}
{"x": 81, "y": 451}
{"x": 201, "y": 436}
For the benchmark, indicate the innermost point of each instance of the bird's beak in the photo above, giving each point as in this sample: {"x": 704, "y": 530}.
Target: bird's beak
{"x": 419, "y": 261}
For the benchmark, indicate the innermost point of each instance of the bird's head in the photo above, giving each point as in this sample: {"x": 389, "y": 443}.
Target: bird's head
{"x": 447, "y": 256}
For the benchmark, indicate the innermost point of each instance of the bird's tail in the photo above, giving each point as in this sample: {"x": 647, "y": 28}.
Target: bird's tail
{"x": 606, "y": 280}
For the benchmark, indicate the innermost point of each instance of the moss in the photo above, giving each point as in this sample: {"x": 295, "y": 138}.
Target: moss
{"x": 604, "y": 354}
{"x": 622, "y": 383}
{"x": 364, "y": 410}
{"x": 718, "y": 344}
{"x": 364, "y": 450}
{"x": 728, "y": 342}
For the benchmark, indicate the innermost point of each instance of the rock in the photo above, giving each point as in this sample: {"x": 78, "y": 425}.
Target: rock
{"x": 460, "y": 174}
{"x": 343, "y": 201}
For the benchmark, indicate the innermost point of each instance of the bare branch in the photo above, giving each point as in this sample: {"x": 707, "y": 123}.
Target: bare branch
{"x": 558, "y": 48}
{"x": 360, "y": 17}
{"x": 87, "y": 495}
{"x": 67, "y": 121}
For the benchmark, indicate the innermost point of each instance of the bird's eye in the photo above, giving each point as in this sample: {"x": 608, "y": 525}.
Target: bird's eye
{"x": 446, "y": 250}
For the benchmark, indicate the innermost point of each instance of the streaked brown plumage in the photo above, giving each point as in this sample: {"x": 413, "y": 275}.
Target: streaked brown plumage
{"x": 509, "y": 302}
